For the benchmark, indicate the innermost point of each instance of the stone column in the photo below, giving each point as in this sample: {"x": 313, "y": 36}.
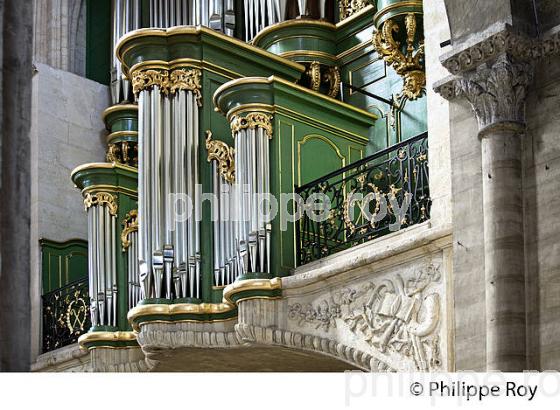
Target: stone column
{"x": 496, "y": 92}
{"x": 16, "y": 31}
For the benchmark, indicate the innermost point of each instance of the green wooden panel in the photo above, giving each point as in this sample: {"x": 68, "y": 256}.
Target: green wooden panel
{"x": 63, "y": 262}
{"x": 98, "y": 40}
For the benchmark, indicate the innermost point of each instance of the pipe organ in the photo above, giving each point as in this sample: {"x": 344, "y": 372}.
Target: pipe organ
{"x": 252, "y": 168}
{"x": 158, "y": 249}
{"x": 101, "y": 210}
{"x": 169, "y": 244}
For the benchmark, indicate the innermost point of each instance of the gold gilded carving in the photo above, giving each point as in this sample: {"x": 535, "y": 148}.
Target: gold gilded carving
{"x": 347, "y": 8}
{"x": 101, "y": 198}
{"x": 222, "y": 153}
{"x": 314, "y": 73}
{"x": 124, "y": 152}
{"x": 332, "y": 78}
{"x": 169, "y": 81}
{"x": 252, "y": 121}
{"x": 130, "y": 224}
{"x": 409, "y": 66}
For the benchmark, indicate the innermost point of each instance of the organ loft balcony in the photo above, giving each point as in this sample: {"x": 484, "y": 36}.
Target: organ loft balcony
{"x": 266, "y": 162}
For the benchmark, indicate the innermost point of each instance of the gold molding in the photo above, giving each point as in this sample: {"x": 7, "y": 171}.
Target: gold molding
{"x": 223, "y": 154}
{"x": 251, "y": 285}
{"x": 169, "y": 81}
{"x": 100, "y": 198}
{"x": 118, "y": 107}
{"x": 292, "y": 23}
{"x": 117, "y": 134}
{"x": 398, "y": 5}
{"x": 252, "y": 120}
{"x": 272, "y": 79}
{"x": 106, "y": 337}
{"x": 178, "y": 309}
{"x": 353, "y": 49}
{"x": 307, "y": 53}
{"x": 112, "y": 188}
{"x": 173, "y": 31}
{"x": 130, "y": 224}
{"x": 106, "y": 165}
{"x": 248, "y": 108}
{"x": 346, "y": 21}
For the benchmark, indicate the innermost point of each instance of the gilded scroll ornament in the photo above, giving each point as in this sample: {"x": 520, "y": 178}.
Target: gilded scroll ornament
{"x": 188, "y": 80}
{"x": 101, "y": 198}
{"x": 409, "y": 66}
{"x": 314, "y": 74}
{"x": 332, "y": 77}
{"x": 252, "y": 121}
{"x": 124, "y": 152}
{"x": 225, "y": 156}
{"x": 130, "y": 224}
{"x": 347, "y": 8}
{"x": 169, "y": 81}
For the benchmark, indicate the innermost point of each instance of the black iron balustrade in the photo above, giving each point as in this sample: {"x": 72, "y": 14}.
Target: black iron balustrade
{"x": 369, "y": 198}
{"x": 65, "y": 315}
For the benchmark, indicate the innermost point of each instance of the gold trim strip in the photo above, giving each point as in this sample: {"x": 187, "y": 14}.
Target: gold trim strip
{"x": 117, "y": 134}
{"x": 111, "y": 188}
{"x": 272, "y": 79}
{"x": 354, "y": 49}
{"x": 289, "y": 23}
{"x": 307, "y": 53}
{"x": 118, "y": 107}
{"x": 249, "y": 108}
{"x": 105, "y": 165}
{"x": 250, "y": 285}
{"x": 173, "y": 31}
{"x": 105, "y": 337}
{"x": 403, "y": 4}
{"x": 345, "y": 22}
{"x": 181, "y": 63}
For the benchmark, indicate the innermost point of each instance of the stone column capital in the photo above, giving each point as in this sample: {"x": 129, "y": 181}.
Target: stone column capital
{"x": 496, "y": 92}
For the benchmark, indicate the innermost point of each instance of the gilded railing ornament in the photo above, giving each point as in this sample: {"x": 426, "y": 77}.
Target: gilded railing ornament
{"x": 169, "y": 81}
{"x": 101, "y": 198}
{"x": 410, "y": 66}
{"x": 225, "y": 156}
{"x": 332, "y": 77}
{"x": 130, "y": 224}
{"x": 124, "y": 152}
{"x": 347, "y": 8}
{"x": 252, "y": 121}
{"x": 314, "y": 74}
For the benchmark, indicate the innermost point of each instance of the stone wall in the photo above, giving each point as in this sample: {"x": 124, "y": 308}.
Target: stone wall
{"x": 60, "y": 34}
{"x": 67, "y": 131}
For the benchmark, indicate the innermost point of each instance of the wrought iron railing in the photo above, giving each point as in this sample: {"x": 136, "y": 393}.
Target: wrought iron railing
{"x": 65, "y": 315}
{"x": 369, "y": 198}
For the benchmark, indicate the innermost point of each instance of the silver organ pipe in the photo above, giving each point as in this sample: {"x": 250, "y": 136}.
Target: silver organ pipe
{"x": 224, "y": 204}
{"x": 126, "y": 17}
{"x": 102, "y": 260}
{"x": 249, "y": 239}
{"x": 169, "y": 246}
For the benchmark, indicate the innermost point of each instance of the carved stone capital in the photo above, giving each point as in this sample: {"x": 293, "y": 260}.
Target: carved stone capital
{"x": 519, "y": 47}
{"x": 495, "y": 91}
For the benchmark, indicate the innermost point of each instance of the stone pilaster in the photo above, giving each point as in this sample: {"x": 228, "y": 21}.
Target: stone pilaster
{"x": 496, "y": 91}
